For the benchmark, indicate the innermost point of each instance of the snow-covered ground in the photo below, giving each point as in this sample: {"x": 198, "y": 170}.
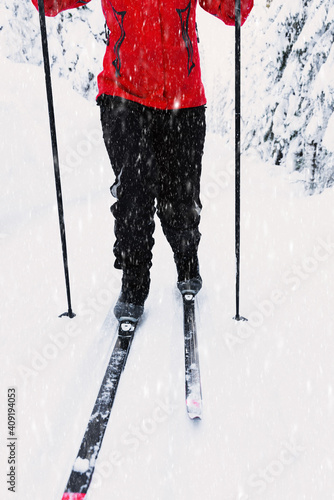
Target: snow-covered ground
{"x": 267, "y": 429}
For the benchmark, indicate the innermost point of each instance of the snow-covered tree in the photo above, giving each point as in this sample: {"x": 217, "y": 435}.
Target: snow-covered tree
{"x": 75, "y": 37}
{"x": 288, "y": 88}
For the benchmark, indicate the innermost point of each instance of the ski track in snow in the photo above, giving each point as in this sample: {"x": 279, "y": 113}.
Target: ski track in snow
{"x": 268, "y": 401}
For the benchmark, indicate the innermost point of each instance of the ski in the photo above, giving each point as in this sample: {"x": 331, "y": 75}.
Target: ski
{"x": 192, "y": 372}
{"x": 84, "y": 465}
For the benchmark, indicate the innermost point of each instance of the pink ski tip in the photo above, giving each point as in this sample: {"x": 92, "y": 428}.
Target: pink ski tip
{"x": 194, "y": 408}
{"x": 73, "y": 496}
{"x": 195, "y": 403}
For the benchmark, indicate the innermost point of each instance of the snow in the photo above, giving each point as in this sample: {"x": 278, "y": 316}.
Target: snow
{"x": 268, "y": 401}
{"x": 81, "y": 465}
{"x": 329, "y": 135}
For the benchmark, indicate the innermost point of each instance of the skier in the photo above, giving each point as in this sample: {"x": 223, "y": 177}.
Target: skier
{"x": 152, "y": 106}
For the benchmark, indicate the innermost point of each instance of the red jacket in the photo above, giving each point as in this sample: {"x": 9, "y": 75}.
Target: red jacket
{"x": 152, "y": 56}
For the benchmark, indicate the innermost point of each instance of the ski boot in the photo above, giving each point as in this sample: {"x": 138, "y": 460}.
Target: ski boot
{"x": 135, "y": 288}
{"x": 189, "y": 279}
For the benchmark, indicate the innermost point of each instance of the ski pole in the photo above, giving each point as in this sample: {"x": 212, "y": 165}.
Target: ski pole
{"x": 48, "y": 84}
{"x": 237, "y": 316}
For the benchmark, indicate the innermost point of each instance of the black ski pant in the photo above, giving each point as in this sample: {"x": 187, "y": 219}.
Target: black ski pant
{"x": 156, "y": 156}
